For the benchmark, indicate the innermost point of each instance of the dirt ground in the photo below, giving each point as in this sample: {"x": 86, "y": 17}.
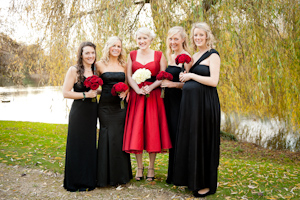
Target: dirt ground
{"x": 23, "y": 183}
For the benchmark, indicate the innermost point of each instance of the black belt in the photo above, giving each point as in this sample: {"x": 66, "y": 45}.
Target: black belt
{"x": 152, "y": 79}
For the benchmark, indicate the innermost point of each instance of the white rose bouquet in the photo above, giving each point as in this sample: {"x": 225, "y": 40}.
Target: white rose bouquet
{"x": 141, "y": 75}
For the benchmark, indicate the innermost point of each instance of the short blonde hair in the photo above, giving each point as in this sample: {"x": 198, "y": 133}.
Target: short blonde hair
{"x": 105, "y": 52}
{"x": 146, "y": 31}
{"x": 210, "y": 39}
{"x": 174, "y": 30}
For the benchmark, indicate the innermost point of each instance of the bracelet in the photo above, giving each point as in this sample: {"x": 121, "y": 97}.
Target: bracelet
{"x": 83, "y": 96}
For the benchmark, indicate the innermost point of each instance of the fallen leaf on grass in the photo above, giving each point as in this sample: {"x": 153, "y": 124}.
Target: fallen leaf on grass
{"x": 252, "y": 186}
{"x": 119, "y": 187}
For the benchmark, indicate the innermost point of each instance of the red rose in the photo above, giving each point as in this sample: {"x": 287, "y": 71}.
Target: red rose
{"x": 118, "y": 88}
{"x": 100, "y": 81}
{"x": 87, "y": 84}
{"x": 93, "y": 82}
{"x": 164, "y": 75}
{"x": 94, "y": 86}
{"x": 113, "y": 91}
{"x": 182, "y": 58}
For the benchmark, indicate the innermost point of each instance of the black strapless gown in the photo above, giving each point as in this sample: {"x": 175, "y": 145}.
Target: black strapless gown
{"x": 81, "y": 151}
{"x": 197, "y": 150}
{"x": 172, "y": 104}
{"x": 114, "y": 166}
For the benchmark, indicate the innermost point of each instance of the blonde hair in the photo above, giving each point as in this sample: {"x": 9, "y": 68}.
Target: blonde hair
{"x": 105, "y": 52}
{"x": 146, "y": 31}
{"x": 174, "y": 30}
{"x": 210, "y": 39}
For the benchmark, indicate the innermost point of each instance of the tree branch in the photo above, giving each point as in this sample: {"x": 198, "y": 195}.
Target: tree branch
{"x": 135, "y": 19}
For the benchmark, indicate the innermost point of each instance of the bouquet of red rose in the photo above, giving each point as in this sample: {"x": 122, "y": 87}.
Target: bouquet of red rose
{"x": 117, "y": 89}
{"x": 161, "y": 76}
{"x": 93, "y": 82}
{"x": 182, "y": 58}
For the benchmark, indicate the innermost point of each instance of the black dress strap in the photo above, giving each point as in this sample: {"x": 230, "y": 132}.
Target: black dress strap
{"x": 205, "y": 55}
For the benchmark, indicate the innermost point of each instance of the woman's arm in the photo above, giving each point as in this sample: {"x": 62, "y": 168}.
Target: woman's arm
{"x": 188, "y": 66}
{"x": 98, "y": 73}
{"x": 171, "y": 84}
{"x": 131, "y": 82}
{"x": 163, "y": 66}
{"x": 69, "y": 82}
{"x": 212, "y": 80}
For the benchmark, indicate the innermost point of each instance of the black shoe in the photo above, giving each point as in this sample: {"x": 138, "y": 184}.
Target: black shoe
{"x": 150, "y": 178}
{"x": 141, "y": 177}
{"x": 168, "y": 181}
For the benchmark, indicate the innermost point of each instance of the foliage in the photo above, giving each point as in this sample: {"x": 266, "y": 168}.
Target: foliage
{"x": 246, "y": 171}
{"x": 18, "y": 61}
{"x": 258, "y": 42}
{"x": 260, "y": 50}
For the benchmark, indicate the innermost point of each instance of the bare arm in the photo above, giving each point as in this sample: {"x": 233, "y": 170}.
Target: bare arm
{"x": 98, "y": 73}
{"x": 172, "y": 84}
{"x": 69, "y": 82}
{"x": 163, "y": 66}
{"x": 211, "y": 80}
{"x": 131, "y": 82}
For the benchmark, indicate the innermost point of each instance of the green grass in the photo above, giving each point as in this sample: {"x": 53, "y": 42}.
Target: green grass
{"x": 246, "y": 171}
{"x": 33, "y": 144}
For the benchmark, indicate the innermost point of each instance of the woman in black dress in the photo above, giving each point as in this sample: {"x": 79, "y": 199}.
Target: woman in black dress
{"x": 176, "y": 44}
{"x": 81, "y": 152}
{"x": 198, "y": 140}
{"x": 114, "y": 165}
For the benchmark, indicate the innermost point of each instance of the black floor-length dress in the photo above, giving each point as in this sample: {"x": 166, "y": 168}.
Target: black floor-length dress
{"x": 81, "y": 151}
{"x": 114, "y": 166}
{"x": 172, "y": 104}
{"x": 197, "y": 150}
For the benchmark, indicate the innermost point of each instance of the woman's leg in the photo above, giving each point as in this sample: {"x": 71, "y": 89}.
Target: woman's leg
{"x": 140, "y": 167}
{"x": 150, "y": 175}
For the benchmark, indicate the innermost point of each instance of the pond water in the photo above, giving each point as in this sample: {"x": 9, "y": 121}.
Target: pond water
{"x": 34, "y": 104}
{"x": 46, "y": 104}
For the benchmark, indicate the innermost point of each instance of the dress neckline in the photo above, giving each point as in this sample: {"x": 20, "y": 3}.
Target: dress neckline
{"x": 144, "y": 64}
{"x": 112, "y": 72}
{"x": 147, "y": 62}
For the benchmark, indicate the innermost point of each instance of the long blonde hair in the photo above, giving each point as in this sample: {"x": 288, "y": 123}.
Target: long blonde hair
{"x": 210, "y": 39}
{"x": 105, "y": 52}
{"x": 174, "y": 30}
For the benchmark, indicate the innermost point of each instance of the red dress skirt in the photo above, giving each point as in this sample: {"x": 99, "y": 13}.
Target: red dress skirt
{"x": 146, "y": 125}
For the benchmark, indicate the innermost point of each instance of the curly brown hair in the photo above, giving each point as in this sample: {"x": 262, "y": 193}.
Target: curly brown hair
{"x": 79, "y": 66}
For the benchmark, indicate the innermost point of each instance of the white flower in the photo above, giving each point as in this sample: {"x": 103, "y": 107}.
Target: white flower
{"x": 141, "y": 75}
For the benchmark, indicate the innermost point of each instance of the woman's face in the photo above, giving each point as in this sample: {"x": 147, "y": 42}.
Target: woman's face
{"x": 116, "y": 49}
{"x": 143, "y": 40}
{"x": 88, "y": 55}
{"x": 176, "y": 42}
{"x": 199, "y": 37}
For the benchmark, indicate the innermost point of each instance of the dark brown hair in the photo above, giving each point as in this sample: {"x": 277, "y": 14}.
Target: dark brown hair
{"x": 80, "y": 67}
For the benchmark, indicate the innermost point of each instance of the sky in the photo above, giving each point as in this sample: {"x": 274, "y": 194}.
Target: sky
{"x": 13, "y": 26}
{"x": 19, "y": 31}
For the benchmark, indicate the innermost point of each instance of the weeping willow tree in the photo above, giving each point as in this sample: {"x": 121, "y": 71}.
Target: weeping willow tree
{"x": 260, "y": 46}
{"x": 258, "y": 41}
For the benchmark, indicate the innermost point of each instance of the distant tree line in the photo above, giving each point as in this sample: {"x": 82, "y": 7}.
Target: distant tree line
{"x": 20, "y": 63}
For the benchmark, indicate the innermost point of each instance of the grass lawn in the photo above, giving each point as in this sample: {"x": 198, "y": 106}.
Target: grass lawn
{"x": 246, "y": 170}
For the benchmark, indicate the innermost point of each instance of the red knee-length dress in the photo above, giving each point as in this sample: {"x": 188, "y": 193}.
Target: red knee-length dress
{"x": 146, "y": 125}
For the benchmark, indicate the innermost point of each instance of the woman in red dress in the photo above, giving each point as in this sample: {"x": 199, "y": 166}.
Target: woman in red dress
{"x": 146, "y": 125}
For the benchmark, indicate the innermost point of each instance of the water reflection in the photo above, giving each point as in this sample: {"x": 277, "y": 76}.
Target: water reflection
{"x": 35, "y": 104}
{"x": 46, "y": 104}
